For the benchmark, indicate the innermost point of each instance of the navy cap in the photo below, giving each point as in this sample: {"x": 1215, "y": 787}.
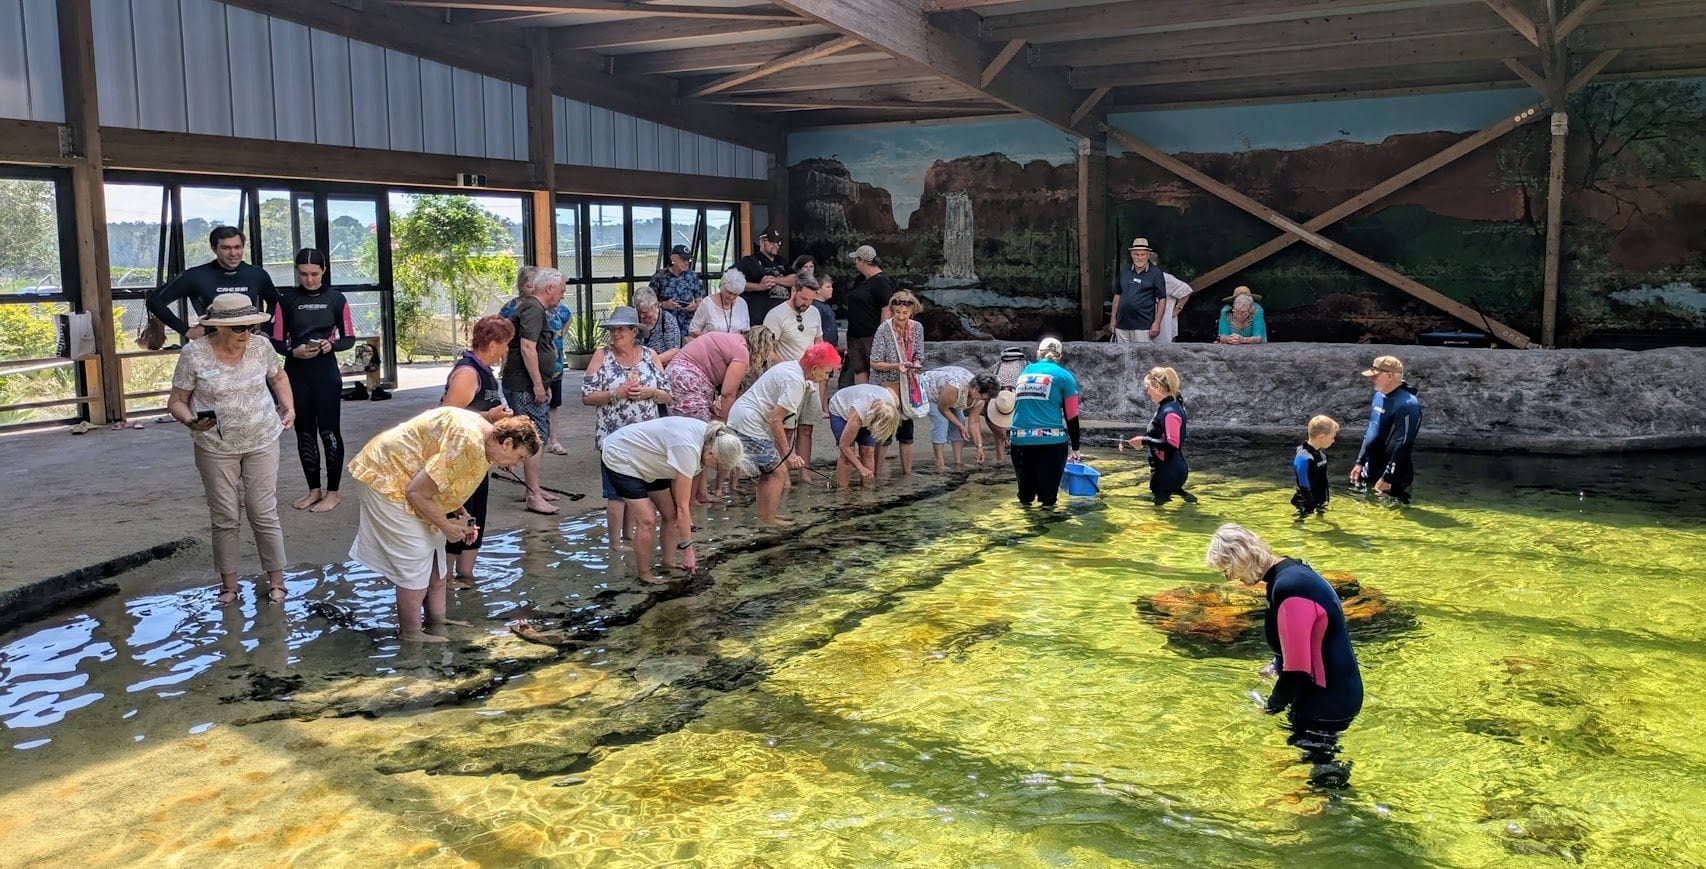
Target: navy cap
{"x": 681, "y": 250}
{"x": 771, "y": 233}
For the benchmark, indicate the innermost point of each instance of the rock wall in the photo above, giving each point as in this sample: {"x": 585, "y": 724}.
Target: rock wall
{"x": 1552, "y": 401}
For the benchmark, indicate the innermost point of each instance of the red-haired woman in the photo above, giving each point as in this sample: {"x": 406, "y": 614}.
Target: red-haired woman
{"x": 474, "y": 386}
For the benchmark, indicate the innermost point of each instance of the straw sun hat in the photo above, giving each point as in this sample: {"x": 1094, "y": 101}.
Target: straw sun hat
{"x": 233, "y": 309}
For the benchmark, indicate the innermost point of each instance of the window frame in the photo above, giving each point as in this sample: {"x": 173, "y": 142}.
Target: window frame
{"x": 70, "y": 294}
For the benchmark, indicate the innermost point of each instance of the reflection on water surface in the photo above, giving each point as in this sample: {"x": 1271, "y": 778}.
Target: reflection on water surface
{"x": 951, "y": 681}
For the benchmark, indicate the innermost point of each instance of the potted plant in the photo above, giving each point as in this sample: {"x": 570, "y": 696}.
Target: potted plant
{"x": 580, "y": 339}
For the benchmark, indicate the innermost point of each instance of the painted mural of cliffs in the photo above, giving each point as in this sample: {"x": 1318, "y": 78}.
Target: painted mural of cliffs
{"x": 1024, "y": 244}
{"x": 1634, "y": 231}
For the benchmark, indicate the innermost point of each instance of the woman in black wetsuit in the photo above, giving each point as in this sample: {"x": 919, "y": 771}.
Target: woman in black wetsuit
{"x": 311, "y": 324}
{"x": 1318, "y": 682}
{"x": 473, "y": 385}
{"x": 1165, "y": 439}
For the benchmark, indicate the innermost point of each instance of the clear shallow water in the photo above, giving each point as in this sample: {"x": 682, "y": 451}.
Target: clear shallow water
{"x": 950, "y": 682}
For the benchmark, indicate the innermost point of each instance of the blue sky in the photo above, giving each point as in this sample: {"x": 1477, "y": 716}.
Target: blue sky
{"x": 896, "y": 158}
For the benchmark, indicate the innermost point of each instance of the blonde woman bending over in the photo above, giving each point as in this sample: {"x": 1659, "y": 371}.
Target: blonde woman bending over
{"x": 863, "y": 418}
{"x": 651, "y": 465}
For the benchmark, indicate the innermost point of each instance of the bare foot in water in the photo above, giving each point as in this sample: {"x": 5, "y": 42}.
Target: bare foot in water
{"x": 326, "y": 504}
{"x": 421, "y": 637}
{"x": 652, "y": 580}
{"x": 541, "y": 505}
{"x": 778, "y": 522}
{"x": 462, "y": 582}
{"x": 307, "y": 500}
{"x": 227, "y": 597}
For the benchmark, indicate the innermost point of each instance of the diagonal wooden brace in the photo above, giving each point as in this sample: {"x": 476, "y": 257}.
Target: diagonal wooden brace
{"x": 1462, "y": 147}
{"x": 1331, "y": 248}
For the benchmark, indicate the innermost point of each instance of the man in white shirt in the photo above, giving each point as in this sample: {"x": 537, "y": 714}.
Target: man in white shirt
{"x": 797, "y": 326}
{"x": 760, "y": 416}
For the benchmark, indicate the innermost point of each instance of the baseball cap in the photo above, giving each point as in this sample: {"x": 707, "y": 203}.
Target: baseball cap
{"x": 865, "y": 253}
{"x": 770, "y": 233}
{"x": 1388, "y": 364}
{"x": 681, "y": 250}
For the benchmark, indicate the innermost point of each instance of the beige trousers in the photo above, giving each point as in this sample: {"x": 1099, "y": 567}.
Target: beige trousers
{"x": 234, "y": 483}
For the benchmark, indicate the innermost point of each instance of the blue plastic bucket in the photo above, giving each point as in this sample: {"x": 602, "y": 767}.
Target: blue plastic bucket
{"x": 1081, "y": 479}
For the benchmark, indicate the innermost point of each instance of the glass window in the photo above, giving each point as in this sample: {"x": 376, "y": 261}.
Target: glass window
{"x": 206, "y": 208}
{"x": 719, "y": 232}
{"x": 54, "y": 381}
{"x": 569, "y": 241}
{"x": 365, "y": 312}
{"x": 685, "y": 229}
{"x": 648, "y": 239}
{"x": 607, "y": 241}
{"x": 287, "y": 225}
{"x": 133, "y": 234}
{"x": 29, "y": 237}
{"x": 353, "y": 242}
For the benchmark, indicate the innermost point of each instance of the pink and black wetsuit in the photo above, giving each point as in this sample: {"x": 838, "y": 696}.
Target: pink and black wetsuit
{"x": 302, "y": 317}
{"x": 1319, "y": 682}
{"x": 1166, "y": 442}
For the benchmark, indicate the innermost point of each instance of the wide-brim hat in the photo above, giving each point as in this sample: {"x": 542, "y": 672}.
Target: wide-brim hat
{"x": 1141, "y": 243}
{"x": 1000, "y": 408}
{"x": 623, "y": 316}
{"x": 233, "y": 309}
{"x": 1242, "y": 291}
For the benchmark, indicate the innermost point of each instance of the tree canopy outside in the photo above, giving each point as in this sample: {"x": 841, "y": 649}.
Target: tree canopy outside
{"x": 447, "y": 247}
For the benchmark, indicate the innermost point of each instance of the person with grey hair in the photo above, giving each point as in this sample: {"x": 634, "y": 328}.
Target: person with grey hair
{"x": 1317, "y": 682}
{"x": 953, "y": 393}
{"x": 651, "y": 466}
{"x": 626, "y": 383}
{"x": 725, "y": 311}
{"x": 531, "y": 365}
{"x": 658, "y": 330}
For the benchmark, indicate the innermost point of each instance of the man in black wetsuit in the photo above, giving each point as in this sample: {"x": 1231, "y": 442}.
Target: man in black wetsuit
{"x": 769, "y": 281}
{"x": 1396, "y": 417}
{"x": 227, "y": 273}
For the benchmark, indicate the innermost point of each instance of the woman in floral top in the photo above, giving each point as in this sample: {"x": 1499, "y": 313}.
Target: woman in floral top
{"x": 678, "y": 286}
{"x": 894, "y": 363}
{"x": 219, "y": 391}
{"x": 627, "y": 385}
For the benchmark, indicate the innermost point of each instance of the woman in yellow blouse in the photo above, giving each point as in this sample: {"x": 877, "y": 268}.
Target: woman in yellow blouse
{"x": 417, "y": 476}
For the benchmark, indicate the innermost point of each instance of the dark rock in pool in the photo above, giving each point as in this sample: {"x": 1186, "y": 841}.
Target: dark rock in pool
{"x": 1217, "y": 619}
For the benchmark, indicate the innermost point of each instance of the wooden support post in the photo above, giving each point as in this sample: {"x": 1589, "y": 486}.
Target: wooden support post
{"x": 778, "y": 216}
{"x": 1466, "y": 145}
{"x": 102, "y": 374}
{"x": 1331, "y": 248}
{"x": 1002, "y": 58}
{"x": 1535, "y": 80}
{"x": 1554, "y": 229}
{"x": 542, "y": 148}
{"x": 1519, "y": 21}
{"x": 1093, "y": 263}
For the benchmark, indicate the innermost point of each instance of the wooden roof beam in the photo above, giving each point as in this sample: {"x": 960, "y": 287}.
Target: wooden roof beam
{"x": 1406, "y": 55}
{"x": 1002, "y": 58}
{"x": 817, "y": 78}
{"x": 800, "y": 104}
{"x": 1519, "y": 21}
{"x": 622, "y": 8}
{"x": 709, "y": 59}
{"x": 947, "y": 45}
{"x": 786, "y": 62}
{"x": 1575, "y": 18}
{"x": 1089, "y": 104}
{"x": 1138, "y": 17}
{"x": 624, "y": 34}
{"x": 1535, "y": 80}
{"x": 1594, "y": 67}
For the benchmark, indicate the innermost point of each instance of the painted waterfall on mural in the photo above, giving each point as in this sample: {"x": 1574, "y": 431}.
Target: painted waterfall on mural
{"x": 1474, "y": 230}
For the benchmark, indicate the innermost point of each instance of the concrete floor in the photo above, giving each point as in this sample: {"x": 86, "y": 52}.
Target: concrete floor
{"x": 76, "y": 501}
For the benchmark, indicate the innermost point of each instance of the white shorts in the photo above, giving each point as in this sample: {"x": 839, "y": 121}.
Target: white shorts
{"x": 1131, "y": 336}
{"x": 392, "y": 541}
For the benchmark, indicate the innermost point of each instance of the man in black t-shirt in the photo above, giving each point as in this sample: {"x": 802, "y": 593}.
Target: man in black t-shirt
{"x": 867, "y": 308}
{"x": 227, "y": 273}
{"x": 769, "y": 281}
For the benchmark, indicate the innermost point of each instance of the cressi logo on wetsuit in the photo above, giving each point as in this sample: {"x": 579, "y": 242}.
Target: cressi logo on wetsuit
{"x": 202, "y": 284}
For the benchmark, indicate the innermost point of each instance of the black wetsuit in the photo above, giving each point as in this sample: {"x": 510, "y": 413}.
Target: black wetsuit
{"x": 303, "y": 317}
{"x": 203, "y": 283}
{"x": 1320, "y": 685}
{"x": 754, "y": 268}
{"x": 488, "y": 395}
{"x": 1166, "y": 442}
{"x": 1309, "y": 465}
{"x": 1391, "y": 438}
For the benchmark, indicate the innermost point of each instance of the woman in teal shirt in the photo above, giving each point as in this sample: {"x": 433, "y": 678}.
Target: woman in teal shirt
{"x": 1241, "y": 322}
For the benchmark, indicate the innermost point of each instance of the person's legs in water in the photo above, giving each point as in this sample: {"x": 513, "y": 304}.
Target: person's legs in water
{"x": 1319, "y": 742}
{"x": 436, "y": 594}
{"x": 307, "y": 427}
{"x": 616, "y": 525}
{"x": 551, "y": 419}
{"x": 904, "y": 435}
{"x": 1023, "y": 470}
{"x": 538, "y": 500}
{"x": 958, "y": 442}
{"x": 462, "y": 573}
{"x": 644, "y": 538}
{"x": 770, "y": 485}
{"x": 1050, "y": 461}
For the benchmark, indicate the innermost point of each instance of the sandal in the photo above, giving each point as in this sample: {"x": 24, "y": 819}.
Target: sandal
{"x": 557, "y": 449}
{"x": 277, "y": 594}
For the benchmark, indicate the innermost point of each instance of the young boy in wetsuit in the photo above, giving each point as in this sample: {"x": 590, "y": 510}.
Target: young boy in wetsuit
{"x": 1309, "y": 464}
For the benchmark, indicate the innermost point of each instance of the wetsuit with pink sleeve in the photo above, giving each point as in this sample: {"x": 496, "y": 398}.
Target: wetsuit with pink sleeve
{"x": 303, "y": 317}
{"x": 1319, "y": 682}
{"x": 1166, "y": 442}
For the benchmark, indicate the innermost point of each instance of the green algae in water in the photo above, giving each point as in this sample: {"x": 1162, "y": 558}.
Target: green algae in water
{"x": 963, "y": 682}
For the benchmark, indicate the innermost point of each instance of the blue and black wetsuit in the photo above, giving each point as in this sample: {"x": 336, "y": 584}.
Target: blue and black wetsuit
{"x": 1391, "y": 438}
{"x": 1165, "y": 440}
{"x": 1319, "y": 683}
{"x": 302, "y": 317}
{"x": 1309, "y": 465}
{"x": 488, "y": 395}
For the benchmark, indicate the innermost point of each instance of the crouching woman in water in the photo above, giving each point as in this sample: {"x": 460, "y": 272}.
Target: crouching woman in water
{"x": 418, "y": 475}
{"x": 1165, "y": 439}
{"x": 652, "y": 464}
{"x": 1319, "y": 684}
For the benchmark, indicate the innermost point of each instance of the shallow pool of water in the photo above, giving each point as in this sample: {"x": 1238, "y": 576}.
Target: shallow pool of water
{"x": 944, "y": 679}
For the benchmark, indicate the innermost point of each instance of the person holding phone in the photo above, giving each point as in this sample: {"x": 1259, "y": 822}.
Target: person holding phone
{"x": 311, "y": 324}
{"x": 220, "y": 391}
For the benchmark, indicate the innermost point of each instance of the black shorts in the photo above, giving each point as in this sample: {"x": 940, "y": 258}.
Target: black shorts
{"x": 628, "y": 488}
{"x": 557, "y": 392}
